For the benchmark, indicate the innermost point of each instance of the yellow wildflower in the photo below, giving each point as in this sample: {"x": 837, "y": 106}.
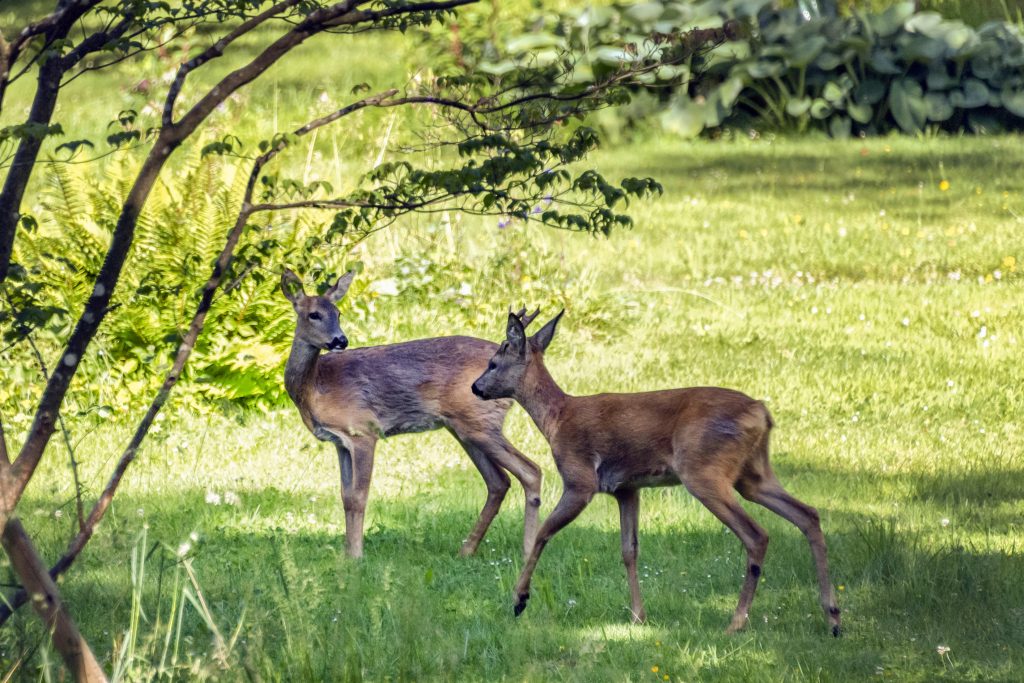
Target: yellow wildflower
{"x": 943, "y": 185}
{"x": 655, "y": 668}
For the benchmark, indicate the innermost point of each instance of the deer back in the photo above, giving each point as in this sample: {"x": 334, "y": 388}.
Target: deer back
{"x": 400, "y": 388}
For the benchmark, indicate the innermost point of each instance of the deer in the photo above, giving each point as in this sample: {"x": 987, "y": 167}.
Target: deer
{"x": 352, "y": 398}
{"x": 709, "y": 439}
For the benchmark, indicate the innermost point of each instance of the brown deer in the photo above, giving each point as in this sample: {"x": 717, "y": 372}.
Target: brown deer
{"x": 353, "y": 398}
{"x": 709, "y": 439}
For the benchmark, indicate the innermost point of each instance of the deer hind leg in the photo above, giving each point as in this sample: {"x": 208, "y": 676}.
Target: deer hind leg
{"x": 629, "y": 513}
{"x": 356, "y": 463}
{"x": 717, "y": 496}
{"x": 492, "y": 444}
{"x": 529, "y": 476}
{"x": 497, "y": 483}
{"x": 767, "y": 491}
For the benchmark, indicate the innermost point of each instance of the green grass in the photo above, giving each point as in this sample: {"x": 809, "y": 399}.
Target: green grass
{"x": 875, "y": 312}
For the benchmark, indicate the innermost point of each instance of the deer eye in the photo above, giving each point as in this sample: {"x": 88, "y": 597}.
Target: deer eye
{"x": 315, "y": 316}
{"x": 491, "y": 366}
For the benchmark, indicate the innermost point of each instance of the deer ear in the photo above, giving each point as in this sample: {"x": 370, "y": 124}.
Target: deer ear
{"x": 291, "y": 286}
{"x": 516, "y": 334}
{"x": 544, "y": 335}
{"x": 335, "y": 293}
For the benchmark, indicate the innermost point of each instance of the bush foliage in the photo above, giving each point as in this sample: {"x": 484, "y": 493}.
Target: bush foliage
{"x": 867, "y": 72}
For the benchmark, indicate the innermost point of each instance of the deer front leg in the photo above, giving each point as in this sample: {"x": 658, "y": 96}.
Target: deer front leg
{"x": 356, "y": 463}
{"x": 569, "y": 506}
{"x": 629, "y": 514}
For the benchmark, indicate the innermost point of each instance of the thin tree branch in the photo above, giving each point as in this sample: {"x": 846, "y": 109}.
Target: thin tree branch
{"x": 59, "y": 22}
{"x": 64, "y": 431}
{"x": 214, "y": 51}
{"x": 5, "y": 459}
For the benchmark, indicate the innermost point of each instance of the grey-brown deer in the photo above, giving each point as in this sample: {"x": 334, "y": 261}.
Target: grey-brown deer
{"x": 711, "y": 440}
{"x": 354, "y": 398}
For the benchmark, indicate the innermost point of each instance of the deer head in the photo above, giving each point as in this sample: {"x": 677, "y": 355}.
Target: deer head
{"x": 506, "y": 370}
{"x": 317, "y": 316}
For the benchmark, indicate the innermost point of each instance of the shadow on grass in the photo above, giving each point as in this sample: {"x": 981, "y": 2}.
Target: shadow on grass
{"x": 413, "y": 609}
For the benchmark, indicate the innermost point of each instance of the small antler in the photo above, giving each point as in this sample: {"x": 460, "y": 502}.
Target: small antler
{"x": 524, "y": 318}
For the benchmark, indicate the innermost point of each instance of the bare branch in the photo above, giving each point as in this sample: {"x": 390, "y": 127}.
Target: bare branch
{"x": 56, "y": 25}
{"x": 311, "y": 25}
{"x": 214, "y": 51}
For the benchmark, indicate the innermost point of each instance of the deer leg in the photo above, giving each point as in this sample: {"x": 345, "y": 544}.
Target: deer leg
{"x": 529, "y": 476}
{"x": 569, "y": 506}
{"x": 769, "y": 493}
{"x": 497, "y": 486}
{"x": 719, "y": 499}
{"x": 629, "y": 513}
{"x": 356, "y": 465}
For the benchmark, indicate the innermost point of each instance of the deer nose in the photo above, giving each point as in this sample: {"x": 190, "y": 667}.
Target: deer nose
{"x": 476, "y": 390}
{"x": 338, "y": 343}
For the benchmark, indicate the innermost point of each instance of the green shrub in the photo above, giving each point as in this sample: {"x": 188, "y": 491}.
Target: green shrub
{"x": 788, "y": 69}
{"x": 179, "y": 236}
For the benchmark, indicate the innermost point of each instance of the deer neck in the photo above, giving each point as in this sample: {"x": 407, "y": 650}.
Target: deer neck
{"x": 542, "y": 399}
{"x": 299, "y": 370}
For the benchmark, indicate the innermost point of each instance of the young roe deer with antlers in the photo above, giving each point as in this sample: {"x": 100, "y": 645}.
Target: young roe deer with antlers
{"x": 354, "y": 398}
{"x": 709, "y": 439}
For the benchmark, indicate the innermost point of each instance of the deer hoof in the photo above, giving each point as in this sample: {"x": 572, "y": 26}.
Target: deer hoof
{"x": 521, "y": 604}
{"x": 736, "y": 626}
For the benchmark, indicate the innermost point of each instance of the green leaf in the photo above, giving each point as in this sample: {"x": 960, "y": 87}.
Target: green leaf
{"x": 861, "y": 113}
{"x": 1013, "y": 99}
{"x": 729, "y": 92}
{"x": 833, "y": 93}
{"x": 534, "y": 41}
{"x": 907, "y": 104}
{"x": 820, "y": 109}
{"x": 869, "y": 91}
{"x": 73, "y": 146}
{"x": 939, "y": 108}
{"x": 892, "y": 19}
{"x": 883, "y": 61}
{"x": 684, "y": 117}
{"x": 839, "y": 127}
{"x": 798, "y": 106}
{"x": 644, "y": 13}
{"x": 805, "y": 52}
{"x": 971, "y": 95}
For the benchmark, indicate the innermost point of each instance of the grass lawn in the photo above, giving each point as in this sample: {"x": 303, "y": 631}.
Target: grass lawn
{"x": 869, "y": 292}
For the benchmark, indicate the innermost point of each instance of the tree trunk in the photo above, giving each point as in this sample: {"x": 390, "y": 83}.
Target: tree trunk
{"x": 46, "y": 601}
